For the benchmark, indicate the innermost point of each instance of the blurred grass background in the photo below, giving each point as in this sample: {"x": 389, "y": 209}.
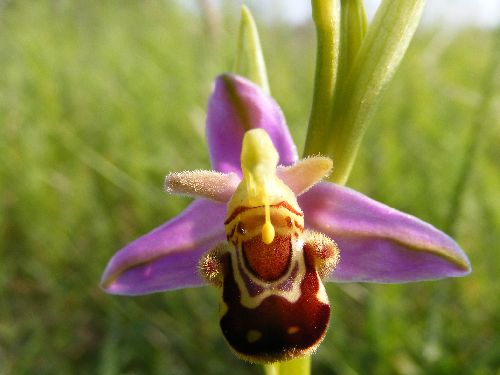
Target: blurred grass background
{"x": 100, "y": 99}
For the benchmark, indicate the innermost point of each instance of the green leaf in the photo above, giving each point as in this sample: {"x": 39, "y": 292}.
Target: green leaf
{"x": 380, "y": 53}
{"x": 249, "y": 57}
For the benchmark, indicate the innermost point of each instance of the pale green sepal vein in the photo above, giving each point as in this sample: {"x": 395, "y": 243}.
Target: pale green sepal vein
{"x": 297, "y": 366}
{"x": 353, "y": 29}
{"x": 380, "y": 53}
{"x": 249, "y": 57}
{"x": 326, "y": 16}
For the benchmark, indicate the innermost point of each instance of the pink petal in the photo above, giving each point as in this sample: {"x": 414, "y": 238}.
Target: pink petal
{"x": 167, "y": 257}
{"x": 235, "y": 106}
{"x": 378, "y": 243}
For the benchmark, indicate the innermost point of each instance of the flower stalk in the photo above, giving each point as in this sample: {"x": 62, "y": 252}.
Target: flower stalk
{"x": 357, "y": 93}
{"x": 354, "y": 25}
{"x": 299, "y": 366}
{"x": 326, "y": 17}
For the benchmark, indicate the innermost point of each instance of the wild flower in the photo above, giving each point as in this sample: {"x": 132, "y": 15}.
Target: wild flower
{"x": 266, "y": 231}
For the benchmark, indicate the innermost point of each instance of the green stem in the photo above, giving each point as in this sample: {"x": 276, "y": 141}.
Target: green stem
{"x": 353, "y": 29}
{"x": 297, "y": 366}
{"x": 326, "y": 16}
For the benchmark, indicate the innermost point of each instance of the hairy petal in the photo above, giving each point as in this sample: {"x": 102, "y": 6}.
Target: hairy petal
{"x": 378, "y": 243}
{"x": 235, "y": 106}
{"x": 167, "y": 257}
{"x": 212, "y": 185}
{"x": 305, "y": 173}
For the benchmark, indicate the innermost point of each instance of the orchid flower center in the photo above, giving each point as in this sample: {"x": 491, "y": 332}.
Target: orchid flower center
{"x": 260, "y": 186}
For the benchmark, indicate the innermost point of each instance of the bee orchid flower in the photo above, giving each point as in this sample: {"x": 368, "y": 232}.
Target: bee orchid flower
{"x": 268, "y": 232}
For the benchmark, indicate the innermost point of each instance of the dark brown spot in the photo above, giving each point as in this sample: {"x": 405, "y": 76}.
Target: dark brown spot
{"x": 288, "y": 221}
{"x": 240, "y": 228}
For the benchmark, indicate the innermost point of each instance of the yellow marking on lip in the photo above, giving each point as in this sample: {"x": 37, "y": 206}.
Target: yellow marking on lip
{"x": 293, "y": 329}
{"x": 267, "y": 229}
{"x": 245, "y": 223}
{"x": 322, "y": 296}
{"x": 223, "y": 308}
{"x": 253, "y": 335}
